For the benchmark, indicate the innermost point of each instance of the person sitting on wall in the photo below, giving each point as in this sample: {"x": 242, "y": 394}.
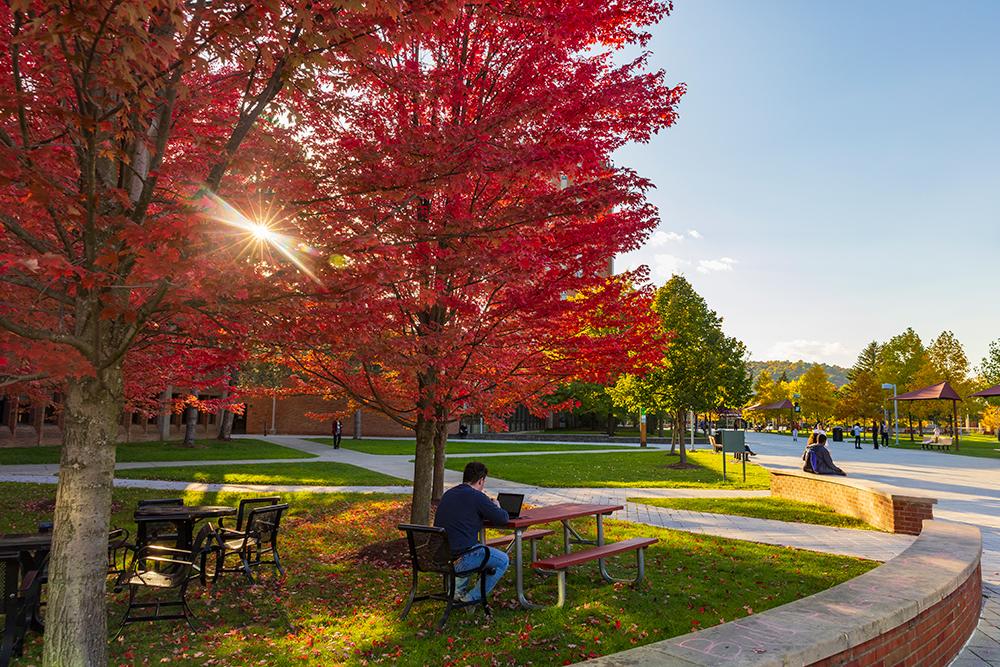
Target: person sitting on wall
{"x": 817, "y": 457}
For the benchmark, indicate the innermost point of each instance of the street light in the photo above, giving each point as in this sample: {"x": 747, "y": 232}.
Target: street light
{"x": 895, "y": 409}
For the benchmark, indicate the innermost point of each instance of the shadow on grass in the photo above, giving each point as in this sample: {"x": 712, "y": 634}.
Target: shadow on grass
{"x": 334, "y": 608}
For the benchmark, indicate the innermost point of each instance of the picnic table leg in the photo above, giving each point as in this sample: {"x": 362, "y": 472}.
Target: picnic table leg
{"x": 519, "y": 573}
{"x": 600, "y": 542}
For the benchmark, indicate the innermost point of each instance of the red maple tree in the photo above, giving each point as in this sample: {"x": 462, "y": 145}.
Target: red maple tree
{"x": 477, "y": 205}
{"x": 116, "y": 118}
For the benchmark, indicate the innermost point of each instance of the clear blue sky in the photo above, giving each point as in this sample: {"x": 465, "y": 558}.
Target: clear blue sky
{"x": 835, "y": 173}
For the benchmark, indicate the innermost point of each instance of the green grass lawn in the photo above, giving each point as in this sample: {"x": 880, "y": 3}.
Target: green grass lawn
{"x": 779, "y": 509}
{"x": 141, "y": 452}
{"x": 341, "y": 599}
{"x": 643, "y": 469}
{"x": 463, "y": 447}
{"x": 310, "y": 474}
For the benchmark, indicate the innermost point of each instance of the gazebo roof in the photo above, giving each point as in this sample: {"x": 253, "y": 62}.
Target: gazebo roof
{"x": 986, "y": 393}
{"x": 780, "y": 405}
{"x": 939, "y": 391}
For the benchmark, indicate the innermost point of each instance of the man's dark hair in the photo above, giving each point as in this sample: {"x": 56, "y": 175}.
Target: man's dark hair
{"x": 822, "y": 438}
{"x": 474, "y": 471}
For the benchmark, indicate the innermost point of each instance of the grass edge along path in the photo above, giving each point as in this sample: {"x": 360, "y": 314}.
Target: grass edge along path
{"x": 340, "y": 601}
{"x": 237, "y": 449}
{"x": 654, "y": 469}
{"x": 777, "y": 509}
{"x": 407, "y": 447}
{"x": 320, "y": 473}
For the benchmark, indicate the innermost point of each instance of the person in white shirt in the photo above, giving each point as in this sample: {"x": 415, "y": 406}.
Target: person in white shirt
{"x": 856, "y": 432}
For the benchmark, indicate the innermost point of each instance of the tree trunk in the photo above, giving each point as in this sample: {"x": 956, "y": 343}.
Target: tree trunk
{"x": 440, "y": 444}
{"x": 920, "y": 425}
{"x": 227, "y": 416}
{"x": 673, "y": 435}
{"x": 910, "y": 415}
{"x": 190, "y": 425}
{"x": 611, "y": 424}
{"x": 226, "y": 425}
{"x": 76, "y": 615}
{"x": 680, "y": 430}
{"x": 423, "y": 470}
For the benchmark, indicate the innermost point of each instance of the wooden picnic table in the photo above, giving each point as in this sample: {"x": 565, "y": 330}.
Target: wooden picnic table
{"x": 564, "y": 513}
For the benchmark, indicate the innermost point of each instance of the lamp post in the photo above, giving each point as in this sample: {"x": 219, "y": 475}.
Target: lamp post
{"x": 895, "y": 409}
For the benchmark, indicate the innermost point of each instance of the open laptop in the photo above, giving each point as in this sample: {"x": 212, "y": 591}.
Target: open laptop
{"x": 511, "y": 502}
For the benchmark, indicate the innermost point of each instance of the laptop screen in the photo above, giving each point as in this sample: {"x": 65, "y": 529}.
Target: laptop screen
{"x": 511, "y": 503}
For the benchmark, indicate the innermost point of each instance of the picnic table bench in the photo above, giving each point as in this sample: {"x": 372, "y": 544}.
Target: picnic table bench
{"x": 560, "y": 564}
{"x": 564, "y": 513}
{"x": 942, "y": 443}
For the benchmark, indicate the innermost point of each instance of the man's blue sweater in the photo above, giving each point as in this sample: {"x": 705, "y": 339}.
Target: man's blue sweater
{"x": 461, "y": 513}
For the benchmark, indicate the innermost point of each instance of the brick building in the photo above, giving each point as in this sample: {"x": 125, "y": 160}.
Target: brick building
{"x": 287, "y": 416}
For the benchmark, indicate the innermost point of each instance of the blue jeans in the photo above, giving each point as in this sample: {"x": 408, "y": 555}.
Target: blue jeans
{"x": 498, "y": 562}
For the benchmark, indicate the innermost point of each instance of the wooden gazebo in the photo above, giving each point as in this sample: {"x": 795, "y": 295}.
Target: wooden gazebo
{"x": 941, "y": 391}
{"x": 992, "y": 392}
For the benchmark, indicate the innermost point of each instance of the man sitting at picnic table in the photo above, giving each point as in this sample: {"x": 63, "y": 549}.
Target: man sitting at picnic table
{"x": 461, "y": 513}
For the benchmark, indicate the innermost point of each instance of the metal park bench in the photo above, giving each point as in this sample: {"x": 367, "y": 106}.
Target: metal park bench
{"x": 941, "y": 443}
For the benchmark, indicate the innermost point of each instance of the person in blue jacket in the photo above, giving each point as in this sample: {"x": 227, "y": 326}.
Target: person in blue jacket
{"x": 817, "y": 457}
{"x": 461, "y": 512}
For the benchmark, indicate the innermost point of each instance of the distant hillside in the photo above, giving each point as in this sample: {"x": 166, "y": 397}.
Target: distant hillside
{"x": 838, "y": 374}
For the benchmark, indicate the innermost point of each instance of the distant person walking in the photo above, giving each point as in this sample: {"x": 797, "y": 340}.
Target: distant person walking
{"x": 338, "y": 433}
{"x": 875, "y": 434}
{"x": 856, "y": 432}
{"x": 885, "y": 435}
{"x": 795, "y": 433}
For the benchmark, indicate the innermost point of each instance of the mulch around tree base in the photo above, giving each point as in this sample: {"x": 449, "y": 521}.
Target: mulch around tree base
{"x": 394, "y": 554}
{"x": 680, "y": 466}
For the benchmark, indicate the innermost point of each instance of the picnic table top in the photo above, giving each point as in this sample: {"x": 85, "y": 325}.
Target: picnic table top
{"x": 560, "y": 512}
{"x": 177, "y": 512}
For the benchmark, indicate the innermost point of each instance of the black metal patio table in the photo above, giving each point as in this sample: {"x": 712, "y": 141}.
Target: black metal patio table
{"x": 24, "y": 559}
{"x": 184, "y": 517}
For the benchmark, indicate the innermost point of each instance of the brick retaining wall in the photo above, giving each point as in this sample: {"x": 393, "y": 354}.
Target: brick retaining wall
{"x": 918, "y": 609}
{"x": 933, "y": 637}
{"x": 873, "y": 503}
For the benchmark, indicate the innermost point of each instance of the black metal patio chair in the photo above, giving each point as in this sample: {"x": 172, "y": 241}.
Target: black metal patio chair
{"x": 248, "y": 504}
{"x": 430, "y": 552}
{"x": 257, "y": 539}
{"x": 158, "y": 580}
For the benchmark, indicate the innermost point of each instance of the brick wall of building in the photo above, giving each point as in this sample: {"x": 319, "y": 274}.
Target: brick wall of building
{"x": 290, "y": 418}
{"x": 897, "y": 514}
{"x": 932, "y": 638}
